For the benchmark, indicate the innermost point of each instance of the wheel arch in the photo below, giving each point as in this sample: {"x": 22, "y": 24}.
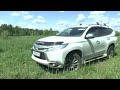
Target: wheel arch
{"x": 111, "y": 44}
{"x": 79, "y": 52}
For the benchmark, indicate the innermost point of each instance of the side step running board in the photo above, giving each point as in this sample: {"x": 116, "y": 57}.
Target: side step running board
{"x": 94, "y": 59}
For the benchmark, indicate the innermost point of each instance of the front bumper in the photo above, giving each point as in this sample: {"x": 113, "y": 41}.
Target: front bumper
{"x": 52, "y": 64}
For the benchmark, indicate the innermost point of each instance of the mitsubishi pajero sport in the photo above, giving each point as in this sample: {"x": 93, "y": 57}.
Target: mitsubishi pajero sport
{"x": 75, "y": 46}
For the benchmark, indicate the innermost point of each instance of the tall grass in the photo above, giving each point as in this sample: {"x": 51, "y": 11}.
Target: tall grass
{"x": 16, "y": 63}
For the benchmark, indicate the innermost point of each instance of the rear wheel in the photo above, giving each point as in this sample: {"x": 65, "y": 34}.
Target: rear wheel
{"x": 110, "y": 52}
{"x": 73, "y": 62}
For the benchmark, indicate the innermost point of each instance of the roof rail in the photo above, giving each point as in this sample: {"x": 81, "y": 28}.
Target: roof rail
{"x": 97, "y": 23}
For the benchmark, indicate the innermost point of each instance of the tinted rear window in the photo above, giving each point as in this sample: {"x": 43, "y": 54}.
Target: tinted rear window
{"x": 105, "y": 31}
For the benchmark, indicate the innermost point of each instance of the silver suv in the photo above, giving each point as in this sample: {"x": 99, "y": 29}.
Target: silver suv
{"x": 75, "y": 46}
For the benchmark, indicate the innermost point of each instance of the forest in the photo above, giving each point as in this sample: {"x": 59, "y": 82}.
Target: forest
{"x": 10, "y": 30}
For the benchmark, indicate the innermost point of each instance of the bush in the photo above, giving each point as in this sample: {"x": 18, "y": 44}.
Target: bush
{"x": 117, "y": 33}
{"x": 5, "y": 34}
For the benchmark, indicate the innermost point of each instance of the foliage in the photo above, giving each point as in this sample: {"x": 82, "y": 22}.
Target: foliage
{"x": 117, "y": 33}
{"x": 18, "y": 31}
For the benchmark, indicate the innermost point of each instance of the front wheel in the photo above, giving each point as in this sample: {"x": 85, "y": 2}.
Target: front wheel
{"x": 110, "y": 52}
{"x": 73, "y": 62}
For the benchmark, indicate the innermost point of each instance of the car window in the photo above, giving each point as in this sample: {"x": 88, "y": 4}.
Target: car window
{"x": 94, "y": 31}
{"x": 104, "y": 31}
{"x": 108, "y": 31}
{"x": 75, "y": 31}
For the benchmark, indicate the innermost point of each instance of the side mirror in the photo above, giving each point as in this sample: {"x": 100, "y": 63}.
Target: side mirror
{"x": 88, "y": 36}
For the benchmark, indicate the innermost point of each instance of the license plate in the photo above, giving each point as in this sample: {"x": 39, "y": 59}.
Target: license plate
{"x": 36, "y": 53}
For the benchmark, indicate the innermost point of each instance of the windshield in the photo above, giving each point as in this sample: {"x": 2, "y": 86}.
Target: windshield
{"x": 75, "y": 31}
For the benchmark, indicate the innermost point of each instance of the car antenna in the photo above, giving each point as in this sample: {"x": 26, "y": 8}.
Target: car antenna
{"x": 105, "y": 25}
{"x": 99, "y": 23}
{"x": 80, "y": 24}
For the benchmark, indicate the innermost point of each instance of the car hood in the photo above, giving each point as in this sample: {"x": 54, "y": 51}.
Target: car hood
{"x": 60, "y": 39}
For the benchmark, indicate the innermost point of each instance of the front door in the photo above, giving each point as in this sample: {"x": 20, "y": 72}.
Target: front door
{"x": 93, "y": 47}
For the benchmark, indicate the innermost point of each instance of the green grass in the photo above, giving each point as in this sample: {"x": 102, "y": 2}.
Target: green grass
{"x": 16, "y": 63}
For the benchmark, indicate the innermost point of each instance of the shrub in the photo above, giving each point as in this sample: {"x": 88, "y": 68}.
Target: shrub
{"x": 5, "y": 34}
{"x": 117, "y": 33}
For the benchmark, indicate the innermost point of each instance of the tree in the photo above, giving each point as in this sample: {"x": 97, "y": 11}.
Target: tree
{"x": 10, "y": 29}
{"x": 46, "y": 32}
{"x": 18, "y": 31}
{"x": 40, "y": 32}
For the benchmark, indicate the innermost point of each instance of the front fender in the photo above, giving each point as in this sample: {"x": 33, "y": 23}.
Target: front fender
{"x": 72, "y": 47}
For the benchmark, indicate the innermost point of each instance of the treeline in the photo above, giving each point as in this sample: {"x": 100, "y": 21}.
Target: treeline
{"x": 18, "y": 31}
{"x": 9, "y": 30}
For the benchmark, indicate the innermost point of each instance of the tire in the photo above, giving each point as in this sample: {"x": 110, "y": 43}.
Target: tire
{"x": 110, "y": 52}
{"x": 73, "y": 62}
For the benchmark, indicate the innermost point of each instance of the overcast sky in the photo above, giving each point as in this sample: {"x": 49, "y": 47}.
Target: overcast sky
{"x": 59, "y": 19}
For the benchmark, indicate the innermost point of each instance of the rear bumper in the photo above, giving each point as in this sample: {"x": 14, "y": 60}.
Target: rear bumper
{"x": 52, "y": 64}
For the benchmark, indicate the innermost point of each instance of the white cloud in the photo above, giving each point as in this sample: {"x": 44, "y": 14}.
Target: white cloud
{"x": 61, "y": 11}
{"x": 60, "y": 25}
{"x": 80, "y": 17}
{"x": 115, "y": 22}
{"x": 32, "y": 26}
{"x": 36, "y": 20}
{"x": 118, "y": 14}
{"x": 98, "y": 16}
{"x": 39, "y": 19}
{"x": 24, "y": 12}
{"x": 15, "y": 14}
{"x": 19, "y": 13}
{"x": 97, "y": 12}
{"x": 63, "y": 24}
{"x": 28, "y": 26}
{"x": 28, "y": 17}
{"x": 74, "y": 24}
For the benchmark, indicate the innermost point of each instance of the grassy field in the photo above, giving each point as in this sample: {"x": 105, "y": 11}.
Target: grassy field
{"x": 16, "y": 63}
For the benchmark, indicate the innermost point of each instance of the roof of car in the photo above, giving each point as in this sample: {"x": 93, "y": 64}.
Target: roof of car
{"x": 91, "y": 25}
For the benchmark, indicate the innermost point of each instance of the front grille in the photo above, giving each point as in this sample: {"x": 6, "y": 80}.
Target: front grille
{"x": 42, "y": 56}
{"x": 48, "y": 43}
{"x": 45, "y": 43}
{"x": 42, "y": 48}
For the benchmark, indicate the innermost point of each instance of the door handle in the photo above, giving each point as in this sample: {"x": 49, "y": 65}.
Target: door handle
{"x": 98, "y": 42}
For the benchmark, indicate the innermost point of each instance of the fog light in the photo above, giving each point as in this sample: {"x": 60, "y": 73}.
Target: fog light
{"x": 52, "y": 64}
{"x": 55, "y": 64}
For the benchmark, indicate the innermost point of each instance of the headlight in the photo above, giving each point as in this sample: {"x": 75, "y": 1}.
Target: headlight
{"x": 56, "y": 47}
{"x": 34, "y": 46}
